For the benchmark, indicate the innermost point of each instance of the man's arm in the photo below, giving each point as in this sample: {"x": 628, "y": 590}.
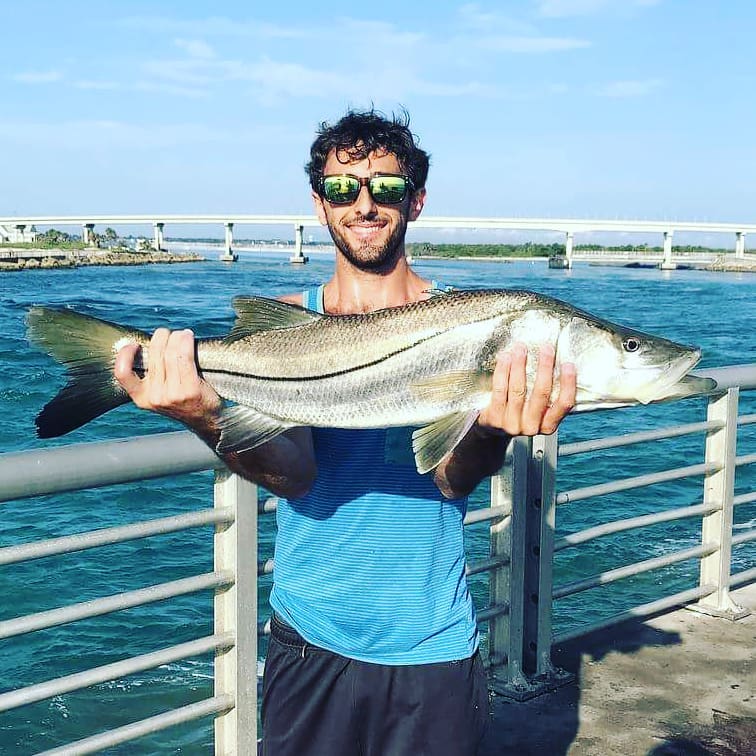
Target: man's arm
{"x": 173, "y": 387}
{"x": 510, "y": 413}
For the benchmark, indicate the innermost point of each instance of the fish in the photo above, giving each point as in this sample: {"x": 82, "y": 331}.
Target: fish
{"x": 428, "y": 364}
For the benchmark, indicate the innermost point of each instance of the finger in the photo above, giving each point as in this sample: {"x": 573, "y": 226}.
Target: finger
{"x": 156, "y": 359}
{"x": 565, "y": 400}
{"x": 124, "y": 368}
{"x": 179, "y": 358}
{"x": 540, "y": 397}
{"x": 500, "y": 386}
{"x": 518, "y": 386}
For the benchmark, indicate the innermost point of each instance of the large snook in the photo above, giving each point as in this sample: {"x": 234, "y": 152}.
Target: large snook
{"x": 427, "y": 364}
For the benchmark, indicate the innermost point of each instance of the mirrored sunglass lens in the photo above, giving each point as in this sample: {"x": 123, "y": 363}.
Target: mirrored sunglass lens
{"x": 388, "y": 189}
{"x": 340, "y": 188}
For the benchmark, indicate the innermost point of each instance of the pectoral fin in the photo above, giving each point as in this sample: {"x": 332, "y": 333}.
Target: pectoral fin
{"x": 433, "y": 442}
{"x": 448, "y": 387}
{"x": 243, "y": 428}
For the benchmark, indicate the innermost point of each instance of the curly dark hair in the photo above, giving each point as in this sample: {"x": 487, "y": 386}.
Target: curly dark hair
{"x": 358, "y": 134}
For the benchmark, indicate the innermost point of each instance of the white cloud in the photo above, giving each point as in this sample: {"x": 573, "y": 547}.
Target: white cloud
{"x": 96, "y": 85}
{"x": 535, "y": 45}
{"x": 195, "y": 48}
{"x": 639, "y": 88}
{"x": 38, "y": 77}
{"x": 472, "y": 16}
{"x": 567, "y": 8}
{"x": 215, "y": 26}
{"x": 86, "y": 134}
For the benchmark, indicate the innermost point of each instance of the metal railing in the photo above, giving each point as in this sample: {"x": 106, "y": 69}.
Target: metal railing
{"x": 521, "y": 519}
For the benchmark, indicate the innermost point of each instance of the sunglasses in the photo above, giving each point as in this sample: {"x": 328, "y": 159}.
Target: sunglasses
{"x": 384, "y": 188}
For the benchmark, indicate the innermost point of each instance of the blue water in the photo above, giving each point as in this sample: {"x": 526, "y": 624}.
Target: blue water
{"x": 715, "y": 311}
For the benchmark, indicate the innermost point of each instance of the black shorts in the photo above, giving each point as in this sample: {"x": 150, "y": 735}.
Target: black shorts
{"x": 317, "y": 703}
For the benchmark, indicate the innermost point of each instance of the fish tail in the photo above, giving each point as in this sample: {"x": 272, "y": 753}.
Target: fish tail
{"x": 87, "y": 347}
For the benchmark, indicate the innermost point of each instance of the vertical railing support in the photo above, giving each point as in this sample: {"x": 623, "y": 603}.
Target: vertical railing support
{"x": 505, "y": 582}
{"x": 719, "y": 491}
{"x": 236, "y": 610}
{"x": 529, "y": 670}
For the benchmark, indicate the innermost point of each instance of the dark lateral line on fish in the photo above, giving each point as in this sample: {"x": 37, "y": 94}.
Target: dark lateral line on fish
{"x": 280, "y": 379}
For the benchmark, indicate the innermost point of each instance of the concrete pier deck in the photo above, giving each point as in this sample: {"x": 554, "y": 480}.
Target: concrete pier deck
{"x": 679, "y": 684}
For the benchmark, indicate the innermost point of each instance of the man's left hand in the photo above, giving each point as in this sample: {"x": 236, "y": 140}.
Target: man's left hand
{"x": 512, "y": 411}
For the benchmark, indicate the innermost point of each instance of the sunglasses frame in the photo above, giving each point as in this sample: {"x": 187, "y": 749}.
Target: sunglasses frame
{"x": 365, "y": 181}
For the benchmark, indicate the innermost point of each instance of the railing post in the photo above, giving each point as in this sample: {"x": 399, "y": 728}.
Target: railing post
{"x": 719, "y": 488}
{"x": 522, "y": 639}
{"x": 505, "y": 582}
{"x": 236, "y": 610}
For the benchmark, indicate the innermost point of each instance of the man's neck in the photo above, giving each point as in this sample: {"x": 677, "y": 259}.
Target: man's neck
{"x": 352, "y": 290}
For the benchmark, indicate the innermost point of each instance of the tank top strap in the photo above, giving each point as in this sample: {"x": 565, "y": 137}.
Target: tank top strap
{"x": 312, "y": 298}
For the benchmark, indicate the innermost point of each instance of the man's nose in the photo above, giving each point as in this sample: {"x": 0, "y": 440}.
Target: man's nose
{"x": 365, "y": 204}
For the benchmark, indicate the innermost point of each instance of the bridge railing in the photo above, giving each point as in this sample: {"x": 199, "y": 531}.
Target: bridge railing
{"x": 521, "y": 521}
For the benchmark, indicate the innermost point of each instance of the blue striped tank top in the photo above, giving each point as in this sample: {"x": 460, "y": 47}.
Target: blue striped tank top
{"x": 370, "y": 563}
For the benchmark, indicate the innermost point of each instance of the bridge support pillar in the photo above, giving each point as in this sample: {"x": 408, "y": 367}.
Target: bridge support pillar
{"x": 298, "y": 258}
{"x": 568, "y": 244}
{"x": 740, "y": 244}
{"x": 666, "y": 263}
{"x": 158, "y": 235}
{"x": 87, "y": 234}
{"x": 228, "y": 254}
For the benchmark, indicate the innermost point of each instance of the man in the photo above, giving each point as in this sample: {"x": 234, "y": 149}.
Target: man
{"x": 374, "y": 643}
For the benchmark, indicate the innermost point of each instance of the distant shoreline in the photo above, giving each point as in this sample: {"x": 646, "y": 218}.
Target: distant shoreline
{"x": 18, "y": 259}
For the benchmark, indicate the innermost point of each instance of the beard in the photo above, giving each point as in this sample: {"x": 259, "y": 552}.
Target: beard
{"x": 371, "y": 257}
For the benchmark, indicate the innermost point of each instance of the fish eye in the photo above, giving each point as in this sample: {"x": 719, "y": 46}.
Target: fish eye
{"x": 631, "y": 344}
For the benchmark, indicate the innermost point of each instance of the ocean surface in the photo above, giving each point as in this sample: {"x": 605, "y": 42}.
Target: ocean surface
{"x": 716, "y": 311}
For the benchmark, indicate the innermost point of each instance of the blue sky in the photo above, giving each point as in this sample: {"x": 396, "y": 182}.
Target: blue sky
{"x": 561, "y": 108}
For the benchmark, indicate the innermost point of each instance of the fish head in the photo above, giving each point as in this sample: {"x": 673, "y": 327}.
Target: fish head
{"x": 618, "y": 365}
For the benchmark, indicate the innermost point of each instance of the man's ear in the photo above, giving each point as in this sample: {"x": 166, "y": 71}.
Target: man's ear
{"x": 417, "y": 200}
{"x": 317, "y": 200}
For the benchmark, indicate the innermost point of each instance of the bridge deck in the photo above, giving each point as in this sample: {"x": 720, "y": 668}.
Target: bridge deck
{"x": 682, "y": 683}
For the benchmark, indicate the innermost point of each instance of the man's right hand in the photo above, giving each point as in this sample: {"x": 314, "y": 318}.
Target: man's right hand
{"x": 171, "y": 385}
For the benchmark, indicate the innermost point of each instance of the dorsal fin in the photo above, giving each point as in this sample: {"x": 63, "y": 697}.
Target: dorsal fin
{"x": 255, "y": 314}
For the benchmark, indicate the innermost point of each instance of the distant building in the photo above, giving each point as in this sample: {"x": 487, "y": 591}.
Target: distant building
{"x": 17, "y": 234}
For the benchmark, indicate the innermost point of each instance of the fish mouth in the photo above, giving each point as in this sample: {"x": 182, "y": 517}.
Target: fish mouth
{"x": 674, "y": 371}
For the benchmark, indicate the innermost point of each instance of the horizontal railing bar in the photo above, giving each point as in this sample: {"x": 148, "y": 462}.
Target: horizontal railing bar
{"x": 492, "y": 563}
{"x": 266, "y": 567}
{"x": 96, "y": 675}
{"x": 749, "y": 535}
{"x": 637, "y": 568}
{"x": 741, "y": 578}
{"x": 640, "y": 481}
{"x": 103, "y": 463}
{"x": 745, "y": 498}
{"x": 95, "y": 743}
{"x": 638, "y": 612}
{"x": 746, "y": 459}
{"x": 746, "y": 419}
{"x": 618, "y": 526}
{"x": 488, "y": 513}
{"x": 106, "y": 536}
{"x": 610, "y": 442}
{"x": 97, "y": 607}
{"x": 492, "y": 611}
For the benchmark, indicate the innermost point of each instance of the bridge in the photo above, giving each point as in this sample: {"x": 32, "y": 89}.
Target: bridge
{"x": 568, "y": 226}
